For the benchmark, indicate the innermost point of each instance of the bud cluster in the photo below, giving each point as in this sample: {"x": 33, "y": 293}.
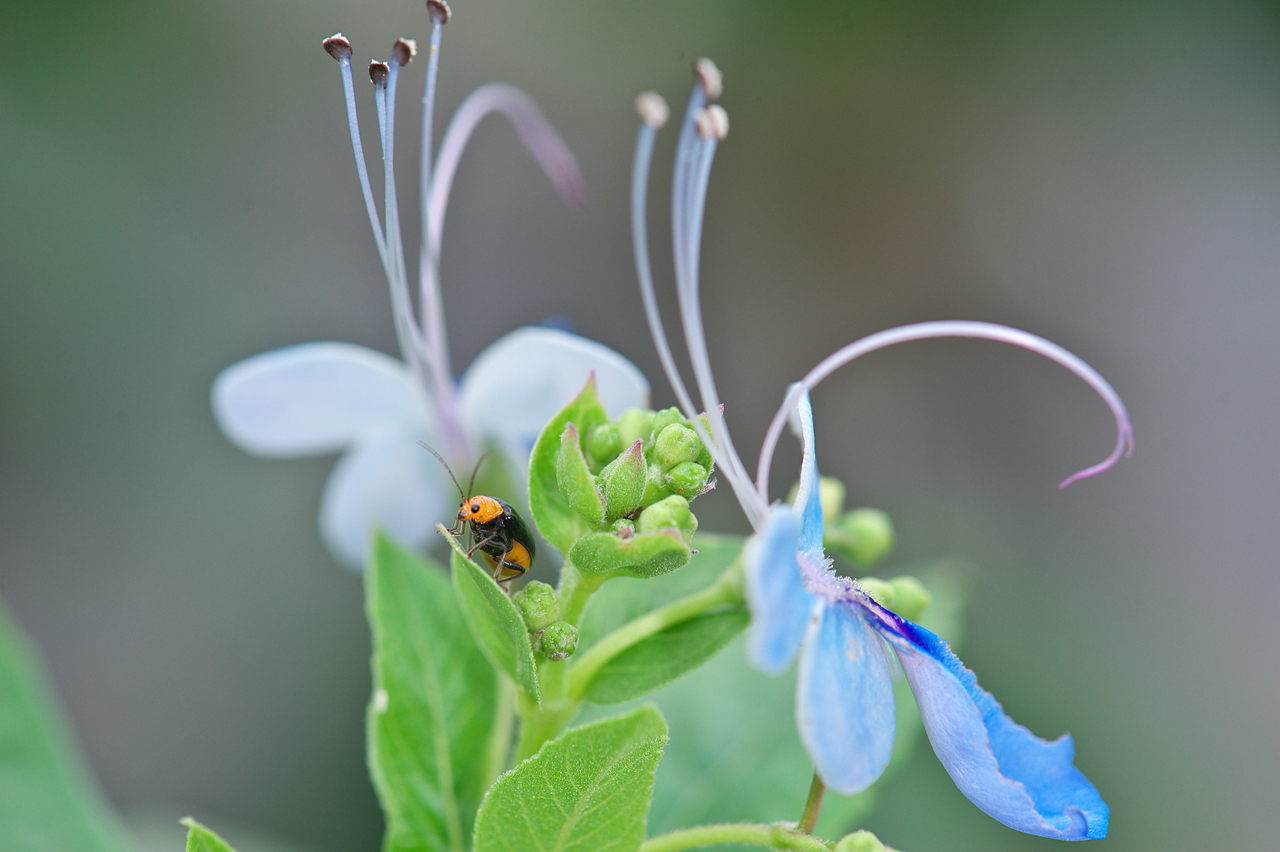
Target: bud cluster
{"x": 636, "y": 474}
{"x": 552, "y": 637}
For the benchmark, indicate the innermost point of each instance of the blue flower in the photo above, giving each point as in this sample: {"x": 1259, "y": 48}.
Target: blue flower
{"x": 844, "y": 694}
{"x": 327, "y": 397}
{"x": 847, "y": 644}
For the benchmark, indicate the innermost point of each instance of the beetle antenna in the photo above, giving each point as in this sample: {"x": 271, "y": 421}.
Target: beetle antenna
{"x": 448, "y": 469}
{"x": 472, "y": 484}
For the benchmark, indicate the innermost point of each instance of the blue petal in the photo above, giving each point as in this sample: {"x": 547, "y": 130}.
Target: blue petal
{"x": 808, "y": 500}
{"x": 313, "y": 398}
{"x": 844, "y": 699}
{"x": 1007, "y": 771}
{"x": 780, "y": 604}
{"x": 387, "y": 482}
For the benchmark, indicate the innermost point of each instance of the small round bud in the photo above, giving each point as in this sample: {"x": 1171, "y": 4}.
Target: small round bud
{"x": 910, "y": 598}
{"x": 378, "y": 72}
{"x": 677, "y": 443}
{"x": 623, "y": 482}
{"x": 403, "y": 51}
{"x": 860, "y": 841}
{"x": 710, "y": 76}
{"x": 831, "y": 492}
{"x": 863, "y": 536}
{"x": 664, "y": 418}
{"x": 604, "y": 442}
{"x": 337, "y": 46}
{"x": 537, "y": 603}
{"x": 670, "y": 512}
{"x": 623, "y": 528}
{"x": 558, "y": 641}
{"x": 652, "y": 109}
{"x": 439, "y": 11}
{"x": 687, "y": 478}
{"x": 635, "y": 424}
{"x": 881, "y": 591}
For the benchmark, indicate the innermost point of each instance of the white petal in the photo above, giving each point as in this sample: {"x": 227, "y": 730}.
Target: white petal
{"x": 313, "y": 398}
{"x": 515, "y": 385}
{"x": 388, "y": 482}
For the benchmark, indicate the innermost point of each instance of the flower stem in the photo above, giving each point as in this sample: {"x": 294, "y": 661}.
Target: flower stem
{"x": 809, "y": 818}
{"x": 777, "y": 836}
{"x": 726, "y": 590}
{"x": 576, "y": 588}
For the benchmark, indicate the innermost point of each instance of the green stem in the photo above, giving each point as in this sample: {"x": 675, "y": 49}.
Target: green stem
{"x": 726, "y": 590}
{"x": 576, "y": 588}
{"x": 809, "y": 818}
{"x": 499, "y": 745}
{"x": 769, "y": 836}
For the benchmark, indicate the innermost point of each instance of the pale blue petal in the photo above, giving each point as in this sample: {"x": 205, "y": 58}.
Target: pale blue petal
{"x": 780, "y": 605}
{"x": 844, "y": 698}
{"x": 312, "y": 398}
{"x": 387, "y": 482}
{"x": 1007, "y": 771}
{"x": 516, "y": 384}
{"x": 808, "y": 501}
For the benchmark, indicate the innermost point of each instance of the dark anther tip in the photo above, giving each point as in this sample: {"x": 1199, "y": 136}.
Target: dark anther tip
{"x": 378, "y": 72}
{"x": 404, "y": 50}
{"x": 439, "y": 11}
{"x": 337, "y": 46}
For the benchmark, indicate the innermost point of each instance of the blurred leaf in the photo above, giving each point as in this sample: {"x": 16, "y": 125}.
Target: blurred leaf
{"x": 587, "y": 791}
{"x": 494, "y": 620}
{"x": 645, "y": 555}
{"x": 201, "y": 839}
{"x": 434, "y": 705}
{"x": 558, "y": 523}
{"x": 47, "y": 800}
{"x": 665, "y": 656}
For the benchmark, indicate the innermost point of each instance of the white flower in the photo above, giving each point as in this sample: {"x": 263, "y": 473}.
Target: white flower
{"x": 326, "y": 397}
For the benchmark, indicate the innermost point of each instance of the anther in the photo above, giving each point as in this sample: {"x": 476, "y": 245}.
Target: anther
{"x": 404, "y": 50}
{"x": 653, "y": 109}
{"x": 719, "y": 121}
{"x": 378, "y": 72}
{"x": 709, "y": 74}
{"x": 337, "y": 46}
{"x": 439, "y": 11}
{"x": 712, "y": 122}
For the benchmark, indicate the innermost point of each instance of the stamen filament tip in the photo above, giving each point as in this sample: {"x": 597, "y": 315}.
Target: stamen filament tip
{"x": 439, "y": 11}
{"x": 337, "y": 46}
{"x": 378, "y": 72}
{"x": 403, "y": 51}
{"x": 652, "y": 109}
{"x": 709, "y": 74}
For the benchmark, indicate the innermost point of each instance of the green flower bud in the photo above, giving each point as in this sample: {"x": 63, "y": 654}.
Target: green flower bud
{"x": 604, "y": 442}
{"x": 676, "y": 444}
{"x": 863, "y": 536}
{"x": 860, "y": 841}
{"x": 635, "y": 424}
{"x": 623, "y": 482}
{"x": 558, "y": 641}
{"x": 910, "y": 598}
{"x": 831, "y": 493}
{"x": 672, "y": 511}
{"x": 655, "y": 486}
{"x": 624, "y": 528}
{"x": 664, "y": 418}
{"x": 704, "y": 458}
{"x": 881, "y": 591}
{"x": 575, "y": 480}
{"x": 687, "y": 478}
{"x": 537, "y": 603}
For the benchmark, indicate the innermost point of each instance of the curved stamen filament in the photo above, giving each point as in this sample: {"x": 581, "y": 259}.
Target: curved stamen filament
{"x": 340, "y": 48}
{"x": 955, "y": 328}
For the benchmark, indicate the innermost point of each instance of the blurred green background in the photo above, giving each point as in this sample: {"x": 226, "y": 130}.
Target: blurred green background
{"x": 177, "y": 193}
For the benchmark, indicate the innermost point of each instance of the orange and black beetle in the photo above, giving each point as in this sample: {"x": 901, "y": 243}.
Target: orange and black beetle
{"x": 497, "y": 530}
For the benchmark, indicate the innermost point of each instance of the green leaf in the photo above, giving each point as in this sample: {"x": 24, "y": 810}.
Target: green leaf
{"x": 587, "y": 791}
{"x": 644, "y": 555}
{"x": 201, "y": 839}
{"x": 434, "y": 705}
{"x": 47, "y": 799}
{"x": 665, "y": 656}
{"x": 556, "y": 520}
{"x": 494, "y": 620}
{"x": 574, "y": 478}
